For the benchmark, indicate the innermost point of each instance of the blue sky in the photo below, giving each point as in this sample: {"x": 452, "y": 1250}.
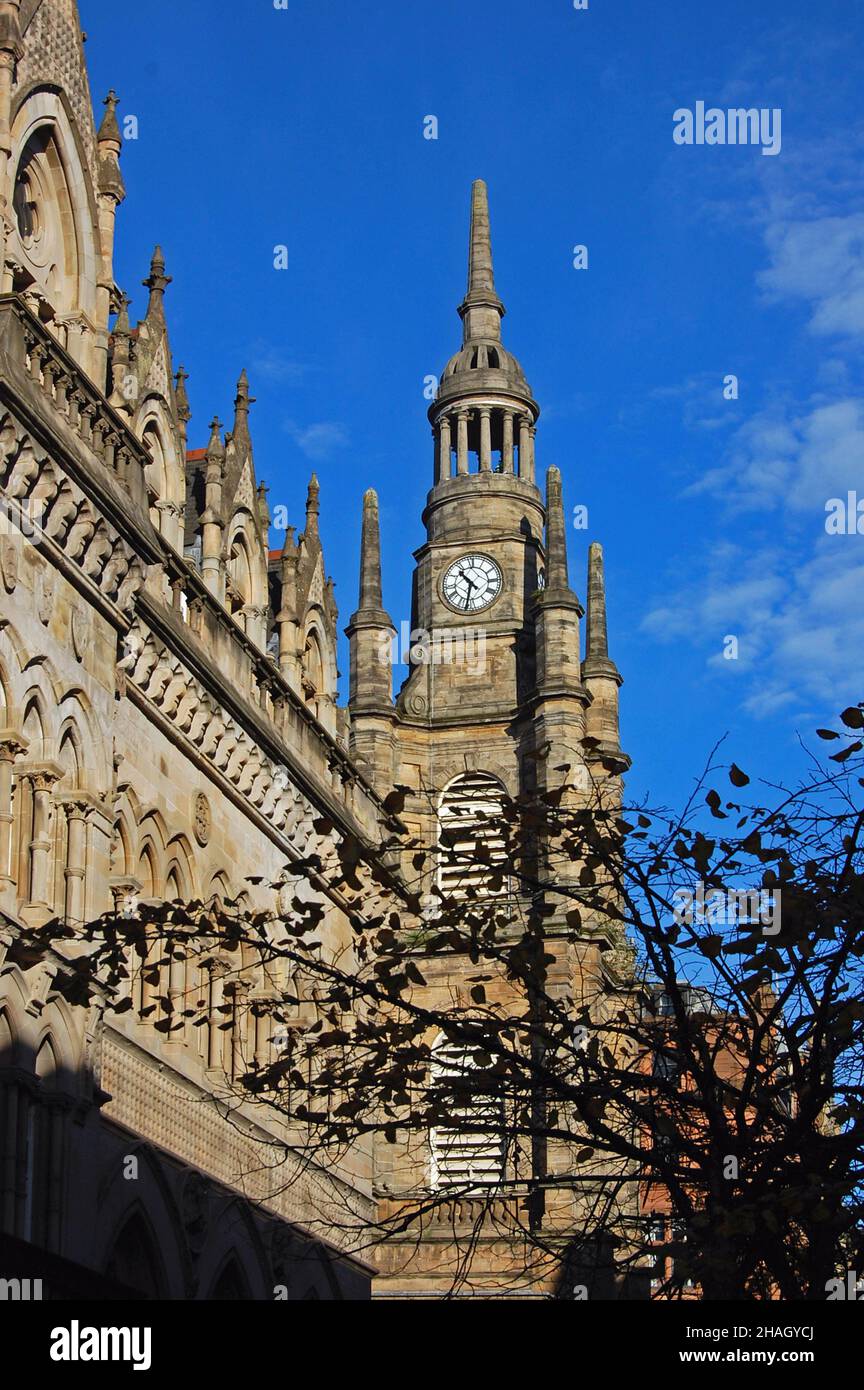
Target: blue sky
{"x": 304, "y": 127}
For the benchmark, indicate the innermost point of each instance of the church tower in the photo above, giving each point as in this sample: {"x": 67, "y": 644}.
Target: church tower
{"x": 496, "y": 682}
{"x": 498, "y": 702}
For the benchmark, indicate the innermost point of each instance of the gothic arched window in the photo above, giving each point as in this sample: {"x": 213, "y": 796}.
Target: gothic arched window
{"x": 239, "y": 576}
{"x": 134, "y": 1260}
{"x": 156, "y": 472}
{"x": 46, "y": 224}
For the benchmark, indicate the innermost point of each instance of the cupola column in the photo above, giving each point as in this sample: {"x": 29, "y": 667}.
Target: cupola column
{"x": 443, "y": 448}
{"x": 532, "y": 434}
{"x": 507, "y": 442}
{"x": 524, "y": 428}
{"x": 485, "y": 439}
{"x": 462, "y": 441}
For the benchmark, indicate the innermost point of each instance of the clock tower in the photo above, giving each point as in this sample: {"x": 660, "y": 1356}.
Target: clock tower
{"x": 496, "y": 675}
{"x": 499, "y": 702}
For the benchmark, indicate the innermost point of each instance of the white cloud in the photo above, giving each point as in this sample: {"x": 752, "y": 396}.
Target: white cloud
{"x": 320, "y": 440}
{"x": 820, "y": 261}
{"x": 800, "y": 626}
{"x": 780, "y": 459}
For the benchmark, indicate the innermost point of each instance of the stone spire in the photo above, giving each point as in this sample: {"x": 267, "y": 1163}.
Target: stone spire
{"x": 370, "y": 634}
{"x": 263, "y": 507}
{"x": 215, "y": 446}
{"x": 481, "y": 310}
{"x": 483, "y": 411}
{"x": 181, "y": 402}
{"x": 211, "y": 520}
{"x": 181, "y": 376}
{"x": 157, "y": 282}
{"x": 599, "y": 673}
{"x": 242, "y": 402}
{"x": 109, "y": 130}
{"x": 370, "y": 555}
{"x": 313, "y": 507}
{"x": 110, "y": 144}
{"x": 557, "y": 609}
{"x": 596, "y": 639}
{"x": 557, "y": 578}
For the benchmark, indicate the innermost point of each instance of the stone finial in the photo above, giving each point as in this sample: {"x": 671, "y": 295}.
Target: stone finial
{"x": 370, "y": 554}
{"x": 180, "y": 379}
{"x": 371, "y": 628}
{"x": 109, "y": 130}
{"x": 242, "y": 402}
{"x": 263, "y": 508}
{"x": 122, "y": 327}
{"x": 597, "y": 661}
{"x": 556, "y": 534}
{"x": 596, "y": 639}
{"x": 110, "y": 143}
{"x": 216, "y": 448}
{"x": 312, "y": 506}
{"x": 157, "y": 282}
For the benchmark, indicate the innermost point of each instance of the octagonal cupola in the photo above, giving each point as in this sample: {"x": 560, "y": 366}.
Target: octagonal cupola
{"x": 483, "y": 415}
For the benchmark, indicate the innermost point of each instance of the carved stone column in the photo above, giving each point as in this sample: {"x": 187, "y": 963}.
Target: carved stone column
{"x": 443, "y": 471}
{"x": 79, "y": 811}
{"x": 42, "y": 778}
{"x": 507, "y": 443}
{"x": 12, "y": 746}
{"x": 485, "y": 439}
{"x": 255, "y": 624}
{"x": 462, "y": 441}
{"x": 11, "y": 50}
{"x": 524, "y": 445}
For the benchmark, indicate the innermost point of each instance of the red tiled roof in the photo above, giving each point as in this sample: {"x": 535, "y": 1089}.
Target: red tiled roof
{"x": 192, "y": 454}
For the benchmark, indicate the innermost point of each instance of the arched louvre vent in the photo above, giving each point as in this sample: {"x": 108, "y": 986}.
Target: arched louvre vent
{"x": 464, "y": 1155}
{"x": 471, "y": 846}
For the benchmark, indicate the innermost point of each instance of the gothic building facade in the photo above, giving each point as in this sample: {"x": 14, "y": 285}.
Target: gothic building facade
{"x": 169, "y": 725}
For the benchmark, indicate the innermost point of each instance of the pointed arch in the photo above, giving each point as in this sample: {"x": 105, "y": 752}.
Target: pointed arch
{"x": 69, "y": 756}
{"x": 7, "y": 1039}
{"x": 134, "y": 1259}
{"x": 182, "y": 862}
{"x": 151, "y": 1197}
{"x": 235, "y": 1245}
{"x": 10, "y": 636}
{"x": 147, "y": 870}
{"x": 46, "y": 1063}
{"x": 230, "y": 1285}
{"x": 164, "y": 475}
{"x": 55, "y": 232}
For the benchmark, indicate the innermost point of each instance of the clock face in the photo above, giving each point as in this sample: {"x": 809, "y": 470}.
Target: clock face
{"x": 472, "y": 583}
